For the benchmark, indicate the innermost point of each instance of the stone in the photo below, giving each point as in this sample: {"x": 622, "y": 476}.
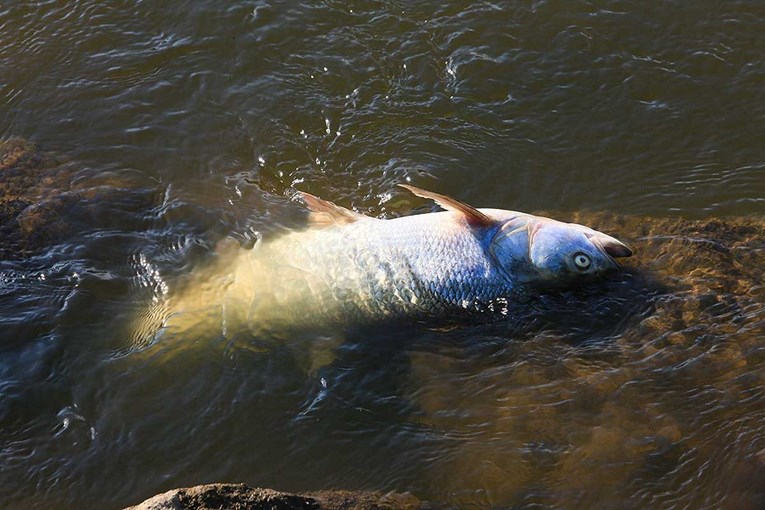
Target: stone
{"x": 219, "y": 496}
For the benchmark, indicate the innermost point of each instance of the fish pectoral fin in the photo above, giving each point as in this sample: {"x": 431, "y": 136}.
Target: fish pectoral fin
{"x": 323, "y": 213}
{"x": 473, "y": 216}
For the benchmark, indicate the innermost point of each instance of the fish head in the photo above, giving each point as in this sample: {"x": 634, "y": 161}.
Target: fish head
{"x": 538, "y": 250}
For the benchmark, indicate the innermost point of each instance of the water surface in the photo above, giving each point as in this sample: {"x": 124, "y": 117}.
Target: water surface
{"x": 176, "y": 124}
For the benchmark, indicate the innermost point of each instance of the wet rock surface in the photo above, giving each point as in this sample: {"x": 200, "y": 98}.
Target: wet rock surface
{"x": 243, "y": 497}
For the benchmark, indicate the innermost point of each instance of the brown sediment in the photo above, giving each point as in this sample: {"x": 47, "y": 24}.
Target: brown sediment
{"x": 675, "y": 381}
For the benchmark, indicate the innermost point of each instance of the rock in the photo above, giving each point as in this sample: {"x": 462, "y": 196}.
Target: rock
{"x": 46, "y": 199}
{"x": 35, "y": 198}
{"x": 242, "y": 497}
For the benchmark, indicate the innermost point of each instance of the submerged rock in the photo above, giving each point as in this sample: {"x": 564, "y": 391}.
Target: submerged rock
{"x": 46, "y": 198}
{"x": 242, "y": 497}
{"x": 34, "y": 198}
{"x": 623, "y": 392}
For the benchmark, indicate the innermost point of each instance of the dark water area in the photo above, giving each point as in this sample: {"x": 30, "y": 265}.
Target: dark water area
{"x": 164, "y": 127}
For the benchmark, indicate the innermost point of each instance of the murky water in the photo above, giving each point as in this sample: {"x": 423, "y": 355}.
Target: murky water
{"x": 172, "y": 125}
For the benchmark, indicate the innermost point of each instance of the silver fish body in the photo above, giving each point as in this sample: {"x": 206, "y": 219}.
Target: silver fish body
{"x": 356, "y": 269}
{"x": 408, "y": 267}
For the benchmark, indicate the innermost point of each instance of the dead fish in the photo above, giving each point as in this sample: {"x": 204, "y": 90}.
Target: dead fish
{"x": 347, "y": 268}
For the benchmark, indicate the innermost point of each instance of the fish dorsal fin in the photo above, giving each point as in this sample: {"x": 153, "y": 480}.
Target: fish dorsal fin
{"x": 323, "y": 213}
{"x": 473, "y": 216}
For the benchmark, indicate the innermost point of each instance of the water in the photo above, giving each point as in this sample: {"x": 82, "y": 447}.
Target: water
{"x": 175, "y": 124}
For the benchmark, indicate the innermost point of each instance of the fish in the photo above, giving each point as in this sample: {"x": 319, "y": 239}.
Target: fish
{"x": 349, "y": 269}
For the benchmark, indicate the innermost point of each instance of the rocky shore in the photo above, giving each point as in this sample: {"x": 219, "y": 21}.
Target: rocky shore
{"x": 220, "y": 496}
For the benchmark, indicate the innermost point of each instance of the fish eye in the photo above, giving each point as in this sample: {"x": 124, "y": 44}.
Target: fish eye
{"x": 581, "y": 261}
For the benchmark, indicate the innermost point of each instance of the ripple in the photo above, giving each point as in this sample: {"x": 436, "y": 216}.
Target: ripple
{"x": 188, "y": 123}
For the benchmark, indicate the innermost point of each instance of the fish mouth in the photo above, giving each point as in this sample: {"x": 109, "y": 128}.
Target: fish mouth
{"x": 610, "y": 246}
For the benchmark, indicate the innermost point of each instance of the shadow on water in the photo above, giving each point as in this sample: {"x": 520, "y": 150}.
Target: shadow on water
{"x": 588, "y": 317}
{"x": 372, "y": 374}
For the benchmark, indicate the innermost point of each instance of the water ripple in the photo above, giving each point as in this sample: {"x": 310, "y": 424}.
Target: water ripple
{"x": 188, "y": 123}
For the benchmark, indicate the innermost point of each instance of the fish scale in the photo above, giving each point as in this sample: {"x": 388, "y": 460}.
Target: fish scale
{"x": 348, "y": 269}
{"x": 409, "y": 267}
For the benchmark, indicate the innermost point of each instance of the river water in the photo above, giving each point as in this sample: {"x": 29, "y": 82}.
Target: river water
{"x": 171, "y": 125}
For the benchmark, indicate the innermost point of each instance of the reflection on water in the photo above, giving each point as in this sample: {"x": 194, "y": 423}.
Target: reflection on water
{"x": 184, "y": 123}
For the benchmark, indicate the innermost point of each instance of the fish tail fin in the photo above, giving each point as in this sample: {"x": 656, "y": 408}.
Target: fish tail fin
{"x": 146, "y": 325}
{"x": 197, "y": 306}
